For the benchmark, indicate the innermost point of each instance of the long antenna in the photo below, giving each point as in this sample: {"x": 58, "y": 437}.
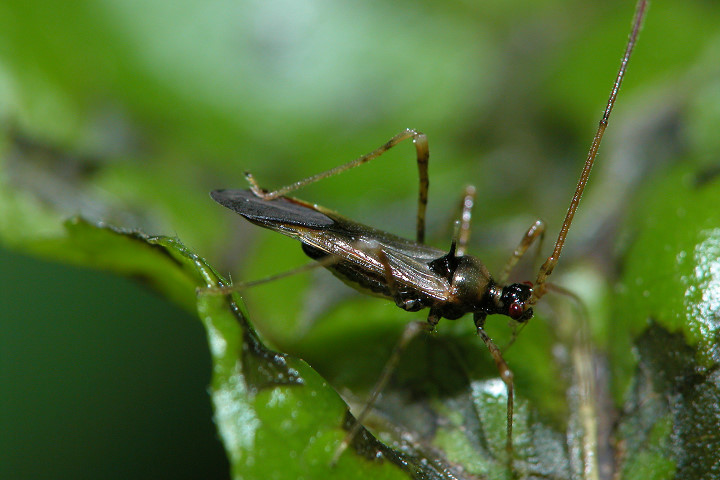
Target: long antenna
{"x": 549, "y": 265}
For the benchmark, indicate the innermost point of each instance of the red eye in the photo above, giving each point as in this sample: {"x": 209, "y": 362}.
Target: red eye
{"x": 515, "y": 311}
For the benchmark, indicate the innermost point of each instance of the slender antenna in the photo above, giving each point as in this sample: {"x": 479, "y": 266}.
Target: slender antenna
{"x": 549, "y": 265}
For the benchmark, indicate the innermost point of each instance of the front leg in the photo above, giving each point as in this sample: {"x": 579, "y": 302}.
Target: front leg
{"x": 507, "y": 377}
{"x": 535, "y": 232}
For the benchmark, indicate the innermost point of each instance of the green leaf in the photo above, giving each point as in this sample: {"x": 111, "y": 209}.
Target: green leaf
{"x": 279, "y": 419}
{"x": 669, "y": 308}
{"x": 261, "y": 396}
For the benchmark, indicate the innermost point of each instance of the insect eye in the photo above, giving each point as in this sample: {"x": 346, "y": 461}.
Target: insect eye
{"x": 515, "y": 311}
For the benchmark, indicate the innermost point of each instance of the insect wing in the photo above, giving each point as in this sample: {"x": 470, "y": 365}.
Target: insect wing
{"x": 333, "y": 234}
{"x": 410, "y": 272}
{"x": 270, "y": 213}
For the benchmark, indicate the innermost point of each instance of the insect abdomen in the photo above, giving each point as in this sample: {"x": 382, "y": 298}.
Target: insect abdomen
{"x": 369, "y": 282}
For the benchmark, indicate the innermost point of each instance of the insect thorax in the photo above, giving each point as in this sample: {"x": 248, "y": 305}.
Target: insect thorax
{"x": 472, "y": 288}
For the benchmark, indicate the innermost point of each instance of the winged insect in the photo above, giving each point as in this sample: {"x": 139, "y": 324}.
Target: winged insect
{"x": 414, "y": 275}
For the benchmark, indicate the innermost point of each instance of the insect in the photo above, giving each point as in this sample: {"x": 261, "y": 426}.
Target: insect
{"x": 410, "y": 273}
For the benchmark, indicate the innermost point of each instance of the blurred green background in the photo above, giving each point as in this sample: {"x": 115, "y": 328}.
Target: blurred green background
{"x": 130, "y": 112}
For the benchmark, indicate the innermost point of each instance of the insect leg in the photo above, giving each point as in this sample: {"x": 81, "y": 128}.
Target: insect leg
{"x": 327, "y": 261}
{"x": 423, "y": 157}
{"x": 389, "y": 278}
{"x": 463, "y": 233}
{"x": 507, "y": 377}
{"x": 536, "y": 230}
{"x": 411, "y": 330}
